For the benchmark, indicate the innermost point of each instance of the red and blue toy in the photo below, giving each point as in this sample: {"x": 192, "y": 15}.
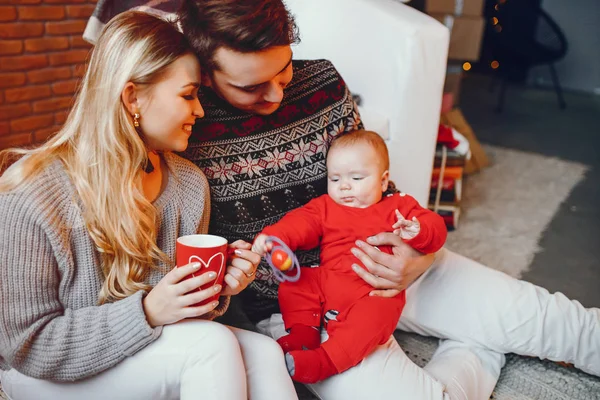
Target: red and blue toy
{"x": 282, "y": 261}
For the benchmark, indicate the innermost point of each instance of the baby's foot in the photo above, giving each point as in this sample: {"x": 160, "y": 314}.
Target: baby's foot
{"x": 309, "y": 366}
{"x": 301, "y": 337}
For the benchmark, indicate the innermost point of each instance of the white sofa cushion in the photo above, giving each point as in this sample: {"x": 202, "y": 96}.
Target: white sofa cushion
{"x": 394, "y": 57}
{"x": 375, "y": 121}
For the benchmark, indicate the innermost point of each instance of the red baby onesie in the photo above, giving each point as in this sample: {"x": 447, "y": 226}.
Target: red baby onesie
{"x": 356, "y": 322}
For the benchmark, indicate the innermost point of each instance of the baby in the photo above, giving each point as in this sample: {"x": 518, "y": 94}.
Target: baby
{"x": 332, "y": 294}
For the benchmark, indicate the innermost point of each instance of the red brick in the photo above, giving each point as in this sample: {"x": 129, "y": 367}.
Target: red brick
{"x": 61, "y": 117}
{"x": 4, "y": 130}
{"x": 20, "y": 2}
{"x": 21, "y": 30}
{"x": 65, "y": 87}
{"x": 78, "y": 42}
{"x": 12, "y": 79}
{"x": 49, "y": 74}
{"x": 19, "y": 140}
{"x": 31, "y": 123}
{"x": 68, "y": 57}
{"x": 53, "y": 104}
{"x": 1, "y": 97}
{"x": 8, "y": 47}
{"x": 8, "y": 13}
{"x": 13, "y": 111}
{"x": 41, "y": 13}
{"x": 64, "y": 1}
{"x": 65, "y": 27}
{"x": 25, "y": 62}
{"x": 27, "y": 93}
{"x": 42, "y": 135}
{"x": 79, "y": 70}
{"x": 46, "y": 44}
{"x": 82, "y": 11}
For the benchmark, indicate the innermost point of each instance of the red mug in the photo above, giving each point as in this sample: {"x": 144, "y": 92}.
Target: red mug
{"x": 210, "y": 251}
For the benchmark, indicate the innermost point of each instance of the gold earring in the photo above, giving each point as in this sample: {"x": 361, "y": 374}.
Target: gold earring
{"x": 136, "y": 120}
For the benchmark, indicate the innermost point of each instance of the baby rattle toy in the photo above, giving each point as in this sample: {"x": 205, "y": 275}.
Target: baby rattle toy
{"x": 282, "y": 261}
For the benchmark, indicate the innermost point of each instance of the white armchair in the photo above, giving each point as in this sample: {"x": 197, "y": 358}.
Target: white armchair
{"x": 394, "y": 57}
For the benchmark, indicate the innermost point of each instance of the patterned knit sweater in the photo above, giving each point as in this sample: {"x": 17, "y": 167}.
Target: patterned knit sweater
{"x": 50, "y": 324}
{"x": 261, "y": 167}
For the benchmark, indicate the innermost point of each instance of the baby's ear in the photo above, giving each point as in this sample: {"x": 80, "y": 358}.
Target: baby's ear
{"x": 385, "y": 180}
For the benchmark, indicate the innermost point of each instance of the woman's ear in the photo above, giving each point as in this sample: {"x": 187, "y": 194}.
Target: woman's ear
{"x": 129, "y": 98}
{"x": 385, "y": 180}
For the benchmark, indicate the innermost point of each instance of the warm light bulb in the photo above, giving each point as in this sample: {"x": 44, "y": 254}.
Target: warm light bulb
{"x": 467, "y": 66}
{"x": 494, "y": 64}
{"x": 494, "y": 21}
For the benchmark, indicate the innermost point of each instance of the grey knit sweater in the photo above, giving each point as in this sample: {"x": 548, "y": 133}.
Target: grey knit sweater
{"x": 50, "y": 324}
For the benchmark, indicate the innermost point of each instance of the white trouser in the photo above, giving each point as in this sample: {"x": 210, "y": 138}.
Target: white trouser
{"x": 192, "y": 359}
{"x": 455, "y": 372}
{"x": 482, "y": 314}
{"x": 463, "y": 300}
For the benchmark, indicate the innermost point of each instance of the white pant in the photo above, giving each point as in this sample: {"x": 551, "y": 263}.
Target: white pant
{"x": 191, "y": 360}
{"x": 482, "y": 314}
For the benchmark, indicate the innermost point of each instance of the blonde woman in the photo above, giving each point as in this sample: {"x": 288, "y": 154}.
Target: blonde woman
{"x": 90, "y": 304}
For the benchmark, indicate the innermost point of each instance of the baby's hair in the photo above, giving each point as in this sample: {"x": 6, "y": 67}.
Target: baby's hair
{"x": 370, "y": 138}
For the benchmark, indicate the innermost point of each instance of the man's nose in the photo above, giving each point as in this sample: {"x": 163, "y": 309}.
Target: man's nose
{"x": 274, "y": 94}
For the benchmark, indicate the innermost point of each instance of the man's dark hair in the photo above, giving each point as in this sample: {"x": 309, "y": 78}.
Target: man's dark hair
{"x": 241, "y": 25}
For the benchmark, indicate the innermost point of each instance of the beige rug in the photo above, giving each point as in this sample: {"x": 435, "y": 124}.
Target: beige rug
{"x": 507, "y": 206}
{"x": 522, "y": 378}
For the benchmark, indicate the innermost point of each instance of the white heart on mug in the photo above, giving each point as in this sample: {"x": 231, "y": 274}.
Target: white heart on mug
{"x": 206, "y": 264}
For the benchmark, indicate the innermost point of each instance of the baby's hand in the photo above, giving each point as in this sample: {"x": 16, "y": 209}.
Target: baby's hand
{"x": 260, "y": 245}
{"x": 406, "y": 229}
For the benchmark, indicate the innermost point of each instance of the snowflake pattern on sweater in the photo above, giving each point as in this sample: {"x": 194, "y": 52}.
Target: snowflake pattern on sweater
{"x": 261, "y": 167}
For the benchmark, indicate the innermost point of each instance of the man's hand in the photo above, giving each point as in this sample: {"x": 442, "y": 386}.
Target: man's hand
{"x": 389, "y": 274}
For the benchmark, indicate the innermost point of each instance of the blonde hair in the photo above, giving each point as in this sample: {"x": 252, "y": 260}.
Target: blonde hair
{"x": 104, "y": 154}
{"x": 369, "y": 138}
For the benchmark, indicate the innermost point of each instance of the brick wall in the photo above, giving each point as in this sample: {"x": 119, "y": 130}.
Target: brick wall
{"x": 41, "y": 60}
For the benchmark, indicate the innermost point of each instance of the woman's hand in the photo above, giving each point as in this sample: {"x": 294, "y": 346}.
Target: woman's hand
{"x": 170, "y": 300}
{"x": 389, "y": 274}
{"x": 241, "y": 268}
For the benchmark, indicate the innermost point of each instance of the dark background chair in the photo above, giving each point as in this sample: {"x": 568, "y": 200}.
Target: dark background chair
{"x": 521, "y": 35}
